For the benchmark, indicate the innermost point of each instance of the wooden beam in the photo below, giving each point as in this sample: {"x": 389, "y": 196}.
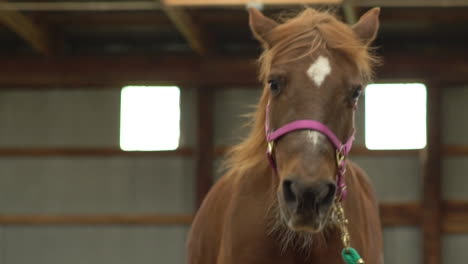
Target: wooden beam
{"x": 364, "y": 3}
{"x": 455, "y": 217}
{"x": 89, "y": 152}
{"x": 205, "y": 149}
{"x": 400, "y": 214}
{"x": 455, "y": 150}
{"x": 432, "y": 204}
{"x": 392, "y": 215}
{"x": 192, "y": 31}
{"x": 94, "y": 6}
{"x": 411, "y": 3}
{"x": 106, "y": 6}
{"x": 54, "y": 220}
{"x": 36, "y": 36}
{"x": 363, "y": 151}
{"x": 88, "y": 71}
{"x": 122, "y": 18}
{"x": 118, "y": 71}
{"x": 205, "y": 3}
{"x": 449, "y": 150}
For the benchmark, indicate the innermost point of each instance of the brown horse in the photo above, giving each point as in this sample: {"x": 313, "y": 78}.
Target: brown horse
{"x": 313, "y": 68}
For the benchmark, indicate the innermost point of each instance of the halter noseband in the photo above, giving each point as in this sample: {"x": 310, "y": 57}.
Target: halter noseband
{"x": 341, "y": 149}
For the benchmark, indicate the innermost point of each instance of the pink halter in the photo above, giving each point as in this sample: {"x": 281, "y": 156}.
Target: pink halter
{"x": 341, "y": 149}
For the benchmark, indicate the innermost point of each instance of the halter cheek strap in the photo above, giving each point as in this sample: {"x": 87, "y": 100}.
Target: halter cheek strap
{"x": 342, "y": 150}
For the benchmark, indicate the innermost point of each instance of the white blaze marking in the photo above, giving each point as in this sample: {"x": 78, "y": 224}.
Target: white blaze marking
{"x": 319, "y": 70}
{"x": 314, "y": 137}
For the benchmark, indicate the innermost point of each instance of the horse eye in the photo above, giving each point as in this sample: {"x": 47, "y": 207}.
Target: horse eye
{"x": 274, "y": 86}
{"x": 356, "y": 92}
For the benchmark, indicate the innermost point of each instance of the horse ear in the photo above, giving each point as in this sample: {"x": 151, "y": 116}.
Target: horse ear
{"x": 368, "y": 25}
{"x": 260, "y": 25}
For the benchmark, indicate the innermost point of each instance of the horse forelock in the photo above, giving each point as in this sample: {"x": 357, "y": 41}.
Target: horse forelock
{"x": 309, "y": 32}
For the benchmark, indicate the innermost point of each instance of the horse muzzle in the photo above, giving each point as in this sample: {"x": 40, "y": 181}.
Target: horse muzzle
{"x": 306, "y": 206}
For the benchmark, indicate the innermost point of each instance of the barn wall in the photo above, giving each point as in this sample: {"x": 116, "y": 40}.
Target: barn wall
{"x": 90, "y": 118}
{"x": 87, "y": 185}
{"x": 454, "y": 176}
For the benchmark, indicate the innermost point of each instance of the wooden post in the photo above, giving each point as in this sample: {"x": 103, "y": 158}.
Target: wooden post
{"x": 432, "y": 205}
{"x": 205, "y": 147}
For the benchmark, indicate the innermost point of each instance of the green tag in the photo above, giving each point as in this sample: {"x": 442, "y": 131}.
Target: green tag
{"x": 351, "y": 256}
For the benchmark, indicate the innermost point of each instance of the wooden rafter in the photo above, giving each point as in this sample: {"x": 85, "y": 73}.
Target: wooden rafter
{"x": 192, "y": 31}
{"x": 37, "y": 37}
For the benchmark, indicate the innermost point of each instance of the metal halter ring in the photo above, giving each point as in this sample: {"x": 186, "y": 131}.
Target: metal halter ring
{"x": 271, "y": 145}
{"x": 340, "y": 156}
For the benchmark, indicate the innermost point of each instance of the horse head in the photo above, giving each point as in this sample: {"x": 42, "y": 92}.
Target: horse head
{"x": 314, "y": 68}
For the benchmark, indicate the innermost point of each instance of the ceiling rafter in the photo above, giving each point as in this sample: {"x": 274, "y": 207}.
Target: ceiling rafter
{"x": 193, "y": 33}
{"x": 23, "y": 26}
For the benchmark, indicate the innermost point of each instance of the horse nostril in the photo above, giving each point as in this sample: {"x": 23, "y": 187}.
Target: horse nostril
{"x": 308, "y": 197}
{"x": 288, "y": 192}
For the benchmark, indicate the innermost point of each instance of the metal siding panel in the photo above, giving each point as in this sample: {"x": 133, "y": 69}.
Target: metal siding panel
{"x": 55, "y": 185}
{"x": 164, "y": 185}
{"x": 96, "y": 185}
{"x": 454, "y": 107}
{"x": 231, "y": 106}
{"x": 454, "y": 248}
{"x": 454, "y": 180}
{"x": 402, "y": 245}
{"x": 79, "y": 245}
{"x": 59, "y": 118}
{"x": 187, "y": 117}
{"x": 394, "y": 178}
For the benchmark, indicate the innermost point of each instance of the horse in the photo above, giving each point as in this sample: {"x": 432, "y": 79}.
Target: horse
{"x": 303, "y": 202}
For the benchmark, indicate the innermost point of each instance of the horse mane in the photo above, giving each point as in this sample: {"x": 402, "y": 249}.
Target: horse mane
{"x": 296, "y": 38}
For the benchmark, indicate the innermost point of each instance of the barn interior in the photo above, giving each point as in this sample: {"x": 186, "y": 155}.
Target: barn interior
{"x": 70, "y": 194}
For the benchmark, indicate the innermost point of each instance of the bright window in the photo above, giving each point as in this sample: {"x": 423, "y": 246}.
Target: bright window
{"x": 395, "y": 116}
{"x": 149, "y": 118}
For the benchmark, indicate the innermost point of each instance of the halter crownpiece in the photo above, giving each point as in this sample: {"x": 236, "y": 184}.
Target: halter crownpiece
{"x": 341, "y": 149}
